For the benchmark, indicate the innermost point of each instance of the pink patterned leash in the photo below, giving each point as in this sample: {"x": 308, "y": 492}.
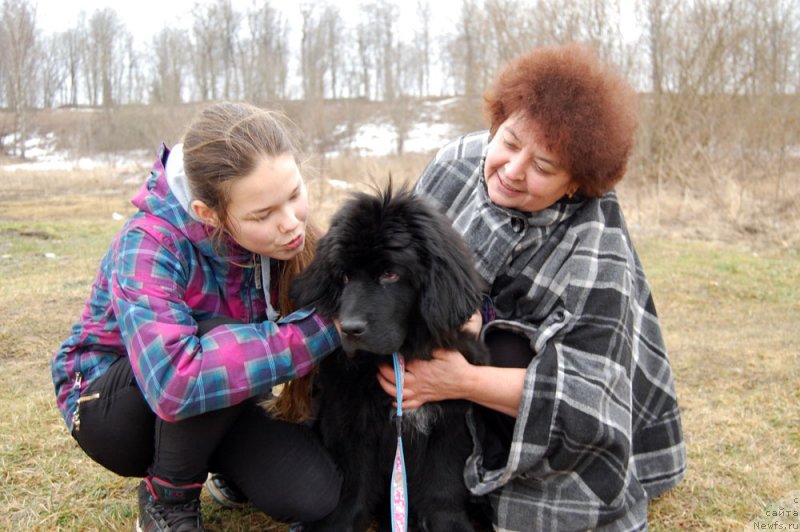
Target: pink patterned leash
{"x": 399, "y": 487}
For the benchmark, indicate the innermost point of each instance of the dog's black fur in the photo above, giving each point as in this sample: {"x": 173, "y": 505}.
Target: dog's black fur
{"x": 398, "y": 278}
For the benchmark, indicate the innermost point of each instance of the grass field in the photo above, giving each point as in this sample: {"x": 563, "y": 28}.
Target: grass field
{"x": 731, "y": 317}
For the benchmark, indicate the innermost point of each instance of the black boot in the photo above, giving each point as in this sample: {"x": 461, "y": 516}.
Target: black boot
{"x": 225, "y": 492}
{"x": 166, "y": 507}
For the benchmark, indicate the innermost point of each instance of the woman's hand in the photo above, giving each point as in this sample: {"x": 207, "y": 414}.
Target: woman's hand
{"x": 449, "y": 376}
{"x": 445, "y": 376}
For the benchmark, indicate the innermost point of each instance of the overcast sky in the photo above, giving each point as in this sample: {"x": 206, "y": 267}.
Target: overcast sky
{"x": 143, "y": 18}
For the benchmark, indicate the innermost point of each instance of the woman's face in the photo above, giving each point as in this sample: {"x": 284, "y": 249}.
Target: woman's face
{"x": 268, "y": 208}
{"x": 521, "y": 173}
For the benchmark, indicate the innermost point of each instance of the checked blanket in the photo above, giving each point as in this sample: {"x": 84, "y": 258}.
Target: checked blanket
{"x": 598, "y": 432}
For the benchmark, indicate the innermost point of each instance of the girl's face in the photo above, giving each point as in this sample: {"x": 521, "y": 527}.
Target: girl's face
{"x": 268, "y": 208}
{"x": 521, "y": 173}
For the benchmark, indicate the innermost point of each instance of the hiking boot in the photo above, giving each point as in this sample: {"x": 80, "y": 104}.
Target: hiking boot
{"x": 165, "y": 507}
{"x": 225, "y": 492}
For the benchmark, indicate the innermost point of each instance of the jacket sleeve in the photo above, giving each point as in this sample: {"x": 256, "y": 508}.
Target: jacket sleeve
{"x": 182, "y": 375}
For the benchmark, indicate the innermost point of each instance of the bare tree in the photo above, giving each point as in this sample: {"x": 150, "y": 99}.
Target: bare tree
{"x": 206, "y": 60}
{"x": 465, "y": 50}
{"x": 419, "y": 61}
{"x": 765, "y": 52}
{"x": 510, "y": 27}
{"x": 321, "y": 50}
{"x": 169, "y": 51}
{"x": 130, "y": 74}
{"x": 769, "y": 44}
{"x": 407, "y": 69}
{"x": 717, "y": 115}
{"x": 102, "y": 59}
{"x": 377, "y": 45}
{"x": 313, "y": 120}
{"x": 386, "y": 13}
{"x": 51, "y": 69}
{"x": 264, "y": 53}
{"x": 18, "y": 42}
{"x": 332, "y": 27}
{"x": 402, "y": 118}
{"x": 655, "y": 41}
{"x": 312, "y": 53}
{"x": 5, "y": 81}
{"x": 72, "y": 43}
{"x": 228, "y": 20}
{"x": 365, "y": 46}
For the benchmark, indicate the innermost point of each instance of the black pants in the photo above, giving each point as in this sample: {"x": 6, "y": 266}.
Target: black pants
{"x": 281, "y": 467}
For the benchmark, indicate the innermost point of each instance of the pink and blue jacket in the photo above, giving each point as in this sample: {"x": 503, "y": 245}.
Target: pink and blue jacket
{"x": 159, "y": 278}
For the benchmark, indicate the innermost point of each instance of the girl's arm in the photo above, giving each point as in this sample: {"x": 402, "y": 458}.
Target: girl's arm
{"x": 181, "y": 374}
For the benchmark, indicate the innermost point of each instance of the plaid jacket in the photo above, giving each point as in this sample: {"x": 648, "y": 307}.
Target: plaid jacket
{"x": 598, "y": 431}
{"x": 160, "y": 277}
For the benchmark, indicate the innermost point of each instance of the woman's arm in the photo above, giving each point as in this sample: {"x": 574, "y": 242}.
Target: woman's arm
{"x": 449, "y": 376}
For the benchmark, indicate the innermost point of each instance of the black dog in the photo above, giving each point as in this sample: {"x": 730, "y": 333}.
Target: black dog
{"x": 398, "y": 278}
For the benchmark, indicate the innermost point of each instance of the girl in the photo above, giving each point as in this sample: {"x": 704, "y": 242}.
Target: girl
{"x": 181, "y": 333}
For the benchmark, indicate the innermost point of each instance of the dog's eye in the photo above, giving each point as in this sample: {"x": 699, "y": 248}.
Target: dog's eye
{"x": 345, "y": 278}
{"x": 390, "y": 277}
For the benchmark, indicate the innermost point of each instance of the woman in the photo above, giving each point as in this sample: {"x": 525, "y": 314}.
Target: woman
{"x": 581, "y": 421}
{"x": 147, "y": 384}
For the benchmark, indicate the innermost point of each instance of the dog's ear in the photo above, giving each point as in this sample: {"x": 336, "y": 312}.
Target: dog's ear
{"x": 451, "y": 290}
{"x": 318, "y": 285}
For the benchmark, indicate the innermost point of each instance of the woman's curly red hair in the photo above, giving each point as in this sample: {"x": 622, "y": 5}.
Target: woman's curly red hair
{"x": 585, "y": 109}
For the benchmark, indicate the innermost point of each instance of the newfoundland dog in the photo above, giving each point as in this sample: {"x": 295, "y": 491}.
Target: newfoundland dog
{"x": 398, "y": 278}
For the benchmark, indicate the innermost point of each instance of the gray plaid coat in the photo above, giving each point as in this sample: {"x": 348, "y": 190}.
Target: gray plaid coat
{"x": 598, "y": 431}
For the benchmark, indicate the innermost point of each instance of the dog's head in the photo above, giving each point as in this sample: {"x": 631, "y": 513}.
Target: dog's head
{"x": 394, "y": 273}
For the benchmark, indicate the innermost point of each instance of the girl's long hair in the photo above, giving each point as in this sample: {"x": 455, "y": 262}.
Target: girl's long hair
{"x": 225, "y": 142}
{"x": 294, "y": 401}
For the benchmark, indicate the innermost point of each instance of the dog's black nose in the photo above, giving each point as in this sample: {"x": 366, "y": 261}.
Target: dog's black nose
{"x": 353, "y": 327}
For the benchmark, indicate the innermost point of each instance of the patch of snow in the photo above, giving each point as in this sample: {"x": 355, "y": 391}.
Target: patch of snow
{"x": 338, "y": 183}
{"x": 425, "y": 137}
{"x": 374, "y": 139}
{"x": 381, "y": 139}
{"x": 43, "y": 156}
{"x": 371, "y": 139}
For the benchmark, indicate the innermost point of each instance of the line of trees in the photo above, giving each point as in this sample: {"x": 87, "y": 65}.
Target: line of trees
{"x": 705, "y": 46}
{"x": 717, "y": 76}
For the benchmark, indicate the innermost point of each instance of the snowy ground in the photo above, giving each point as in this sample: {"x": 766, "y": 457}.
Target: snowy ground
{"x": 41, "y": 155}
{"x": 380, "y": 139}
{"x": 369, "y": 139}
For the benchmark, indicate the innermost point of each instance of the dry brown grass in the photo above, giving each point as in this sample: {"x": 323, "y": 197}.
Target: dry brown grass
{"x": 730, "y": 316}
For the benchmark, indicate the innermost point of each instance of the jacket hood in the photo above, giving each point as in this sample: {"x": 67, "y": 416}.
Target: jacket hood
{"x": 167, "y": 195}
